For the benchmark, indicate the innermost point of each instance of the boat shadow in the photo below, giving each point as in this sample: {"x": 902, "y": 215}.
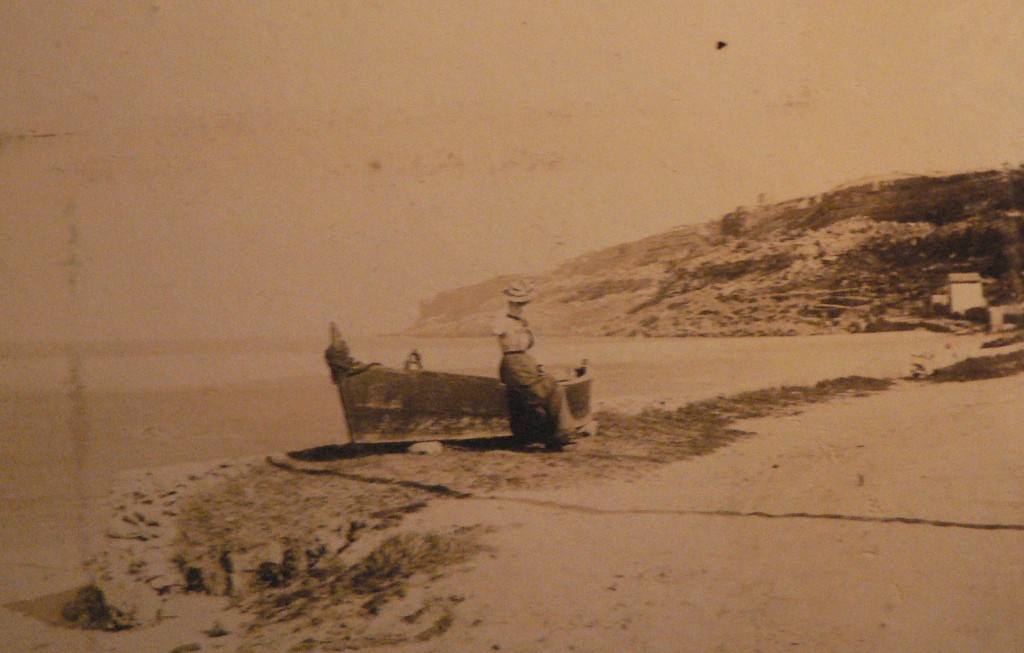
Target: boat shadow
{"x": 329, "y": 452}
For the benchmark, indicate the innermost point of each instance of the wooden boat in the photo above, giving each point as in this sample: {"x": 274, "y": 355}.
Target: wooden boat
{"x": 385, "y": 404}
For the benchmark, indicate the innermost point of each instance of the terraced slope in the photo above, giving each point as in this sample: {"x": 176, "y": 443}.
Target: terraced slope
{"x": 846, "y": 260}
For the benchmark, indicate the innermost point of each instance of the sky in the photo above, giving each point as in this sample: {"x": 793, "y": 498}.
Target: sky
{"x": 189, "y": 170}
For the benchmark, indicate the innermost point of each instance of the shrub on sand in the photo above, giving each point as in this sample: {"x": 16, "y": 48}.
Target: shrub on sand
{"x": 90, "y": 610}
{"x": 981, "y": 367}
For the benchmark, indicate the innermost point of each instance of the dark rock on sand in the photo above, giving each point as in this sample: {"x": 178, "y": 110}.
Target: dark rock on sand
{"x": 89, "y": 609}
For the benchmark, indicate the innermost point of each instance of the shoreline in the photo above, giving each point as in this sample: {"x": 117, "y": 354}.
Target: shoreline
{"x": 206, "y": 468}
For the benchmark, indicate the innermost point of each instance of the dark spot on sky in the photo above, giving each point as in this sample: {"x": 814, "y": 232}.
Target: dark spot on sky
{"x": 720, "y": 45}
{"x": 376, "y": 164}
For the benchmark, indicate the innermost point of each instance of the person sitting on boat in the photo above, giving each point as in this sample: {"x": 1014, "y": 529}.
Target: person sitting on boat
{"x": 538, "y": 410}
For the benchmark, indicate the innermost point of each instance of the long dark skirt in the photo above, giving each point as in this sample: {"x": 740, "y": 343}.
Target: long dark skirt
{"x": 536, "y": 402}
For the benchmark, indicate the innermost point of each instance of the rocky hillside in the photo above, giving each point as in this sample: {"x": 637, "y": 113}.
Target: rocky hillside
{"x": 846, "y": 260}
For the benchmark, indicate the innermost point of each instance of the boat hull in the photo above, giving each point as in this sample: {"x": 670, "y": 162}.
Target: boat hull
{"x": 383, "y": 404}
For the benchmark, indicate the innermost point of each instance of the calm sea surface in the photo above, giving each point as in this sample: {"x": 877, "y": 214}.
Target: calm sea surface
{"x": 685, "y": 367}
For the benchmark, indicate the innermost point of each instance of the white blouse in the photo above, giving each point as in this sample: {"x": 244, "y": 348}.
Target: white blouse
{"x": 513, "y": 333}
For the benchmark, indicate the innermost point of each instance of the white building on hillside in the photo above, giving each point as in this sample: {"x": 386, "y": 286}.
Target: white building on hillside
{"x": 965, "y": 292}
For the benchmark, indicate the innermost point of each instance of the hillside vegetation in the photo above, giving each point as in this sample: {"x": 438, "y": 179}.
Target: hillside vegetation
{"x": 860, "y": 257}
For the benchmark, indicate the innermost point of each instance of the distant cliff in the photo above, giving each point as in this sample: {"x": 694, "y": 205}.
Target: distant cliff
{"x": 846, "y": 260}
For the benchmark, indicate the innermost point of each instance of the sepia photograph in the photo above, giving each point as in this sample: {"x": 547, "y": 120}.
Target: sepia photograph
{"x": 429, "y": 326}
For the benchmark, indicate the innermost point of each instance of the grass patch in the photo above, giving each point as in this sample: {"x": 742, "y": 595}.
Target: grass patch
{"x": 1005, "y": 341}
{"x": 762, "y": 403}
{"x": 704, "y": 426}
{"x": 402, "y": 556}
{"x": 364, "y": 587}
{"x": 980, "y": 367}
{"x": 881, "y": 325}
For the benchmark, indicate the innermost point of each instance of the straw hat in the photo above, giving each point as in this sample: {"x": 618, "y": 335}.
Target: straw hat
{"x": 519, "y": 291}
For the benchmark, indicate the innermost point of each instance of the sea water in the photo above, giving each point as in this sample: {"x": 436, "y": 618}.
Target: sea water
{"x": 687, "y": 368}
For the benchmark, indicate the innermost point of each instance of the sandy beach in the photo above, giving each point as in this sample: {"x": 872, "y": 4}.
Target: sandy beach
{"x": 889, "y": 521}
{"x": 778, "y": 542}
{"x": 771, "y": 238}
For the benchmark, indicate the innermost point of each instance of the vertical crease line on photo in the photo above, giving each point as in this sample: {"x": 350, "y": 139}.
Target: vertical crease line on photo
{"x": 78, "y": 417}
